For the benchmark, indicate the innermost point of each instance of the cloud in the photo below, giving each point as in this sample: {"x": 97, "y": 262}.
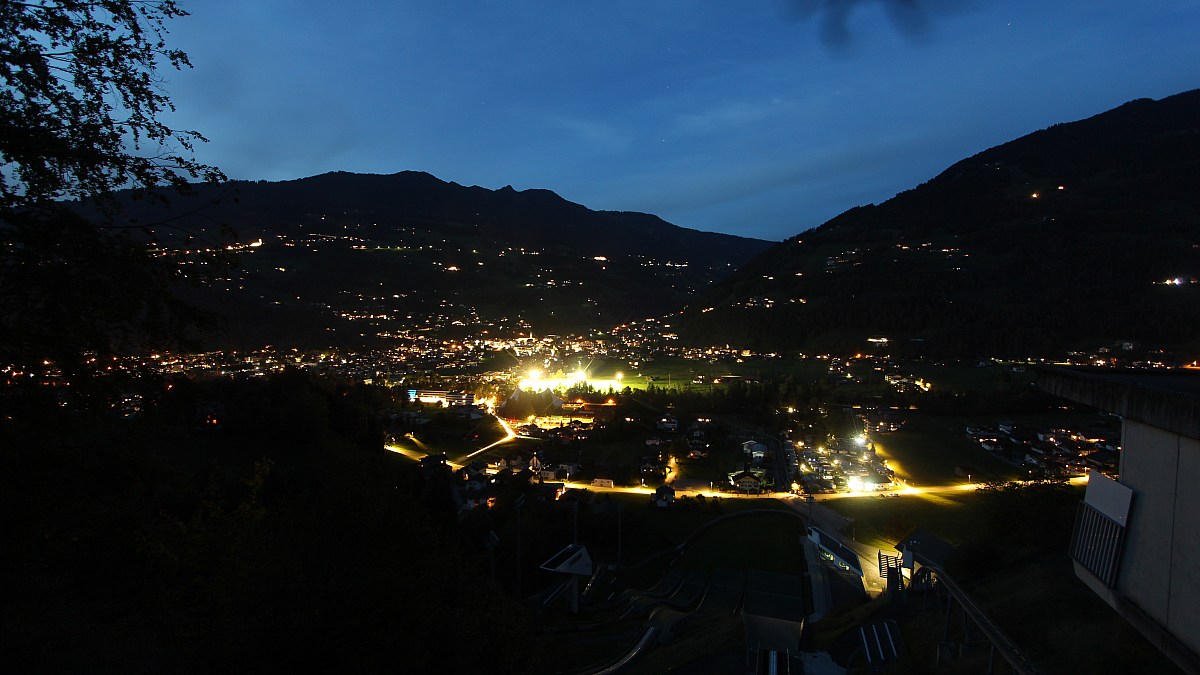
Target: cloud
{"x": 727, "y": 116}
{"x": 599, "y": 136}
{"x": 839, "y": 27}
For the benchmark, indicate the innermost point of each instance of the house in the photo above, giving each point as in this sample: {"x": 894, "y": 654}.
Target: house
{"x": 513, "y": 461}
{"x": 548, "y": 492}
{"x": 667, "y": 423}
{"x": 476, "y": 499}
{"x": 650, "y": 469}
{"x": 1134, "y": 542}
{"x": 746, "y": 481}
{"x": 472, "y": 481}
{"x": 754, "y": 450}
{"x": 663, "y": 497}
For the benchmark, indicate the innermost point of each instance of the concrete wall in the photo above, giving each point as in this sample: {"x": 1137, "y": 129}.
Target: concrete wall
{"x": 1159, "y": 571}
{"x": 1158, "y": 586}
{"x": 1184, "y": 616}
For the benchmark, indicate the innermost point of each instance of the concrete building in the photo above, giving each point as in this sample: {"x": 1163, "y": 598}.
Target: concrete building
{"x": 1137, "y": 539}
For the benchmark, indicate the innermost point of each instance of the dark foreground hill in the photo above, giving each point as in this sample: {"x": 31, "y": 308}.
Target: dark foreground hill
{"x": 1072, "y": 237}
{"x": 342, "y": 257}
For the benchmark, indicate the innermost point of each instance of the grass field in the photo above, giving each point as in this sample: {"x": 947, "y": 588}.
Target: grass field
{"x": 754, "y": 542}
{"x": 927, "y": 450}
{"x": 963, "y": 378}
{"x": 883, "y": 521}
{"x": 648, "y": 529}
{"x": 614, "y": 453}
{"x": 679, "y": 373}
{"x": 929, "y": 447}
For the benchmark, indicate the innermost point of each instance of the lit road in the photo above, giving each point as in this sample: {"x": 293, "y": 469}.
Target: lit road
{"x": 509, "y": 434}
{"x": 422, "y": 450}
{"x": 416, "y": 455}
{"x": 400, "y": 450}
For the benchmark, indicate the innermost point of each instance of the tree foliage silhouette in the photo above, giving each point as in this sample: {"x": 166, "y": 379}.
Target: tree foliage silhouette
{"x": 81, "y": 116}
{"x": 81, "y": 103}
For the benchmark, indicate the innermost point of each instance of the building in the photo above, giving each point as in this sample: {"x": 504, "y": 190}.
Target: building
{"x": 663, "y": 496}
{"x": 1137, "y": 539}
{"x": 445, "y": 398}
{"x": 746, "y": 481}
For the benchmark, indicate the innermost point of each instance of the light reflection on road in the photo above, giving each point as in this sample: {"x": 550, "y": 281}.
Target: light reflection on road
{"x": 509, "y": 434}
{"x": 931, "y": 492}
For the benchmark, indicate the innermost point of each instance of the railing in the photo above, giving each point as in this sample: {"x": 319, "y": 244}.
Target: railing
{"x": 971, "y": 615}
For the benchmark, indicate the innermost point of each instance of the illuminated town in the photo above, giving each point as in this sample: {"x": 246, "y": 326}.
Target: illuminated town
{"x": 586, "y": 339}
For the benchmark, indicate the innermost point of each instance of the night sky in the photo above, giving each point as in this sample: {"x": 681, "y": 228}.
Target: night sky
{"x": 760, "y": 118}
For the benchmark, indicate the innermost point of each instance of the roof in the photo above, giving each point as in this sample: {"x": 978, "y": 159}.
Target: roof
{"x": 837, "y": 549}
{"x": 573, "y": 559}
{"x": 1170, "y": 402}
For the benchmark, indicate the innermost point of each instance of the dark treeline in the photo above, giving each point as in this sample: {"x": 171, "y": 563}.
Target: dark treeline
{"x": 765, "y": 402}
{"x": 759, "y": 402}
{"x": 237, "y": 526}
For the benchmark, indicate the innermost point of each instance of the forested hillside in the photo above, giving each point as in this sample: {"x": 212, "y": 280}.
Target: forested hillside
{"x": 1069, "y": 238}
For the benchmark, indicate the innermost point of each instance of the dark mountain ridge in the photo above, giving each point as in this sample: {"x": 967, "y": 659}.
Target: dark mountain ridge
{"x": 342, "y": 258}
{"x": 533, "y": 216}
{"x": 1062, "y": 239}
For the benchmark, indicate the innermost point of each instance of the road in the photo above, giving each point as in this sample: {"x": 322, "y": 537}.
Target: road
{"x": 424, "y": 450}
{"x": 814, "y": 508}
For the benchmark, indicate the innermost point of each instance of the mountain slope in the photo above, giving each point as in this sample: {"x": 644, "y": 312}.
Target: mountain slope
{"x": 1058, "y": 240}
{"x": 347, "y": 257}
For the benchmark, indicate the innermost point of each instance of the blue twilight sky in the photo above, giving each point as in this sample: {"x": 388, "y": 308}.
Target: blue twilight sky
{"x": 761, "y": 117}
